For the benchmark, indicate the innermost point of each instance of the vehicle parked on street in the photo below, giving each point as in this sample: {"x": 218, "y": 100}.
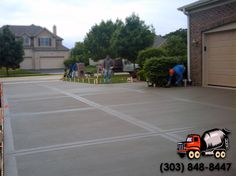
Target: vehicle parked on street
{"x": 123, "y": 65}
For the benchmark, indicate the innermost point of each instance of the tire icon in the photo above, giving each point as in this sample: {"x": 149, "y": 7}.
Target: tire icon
{"x": 191, "y": 154}
{"x": 222, "y": 154}
{"x": 217, "y": 154}
{"x": 197, "y": 154}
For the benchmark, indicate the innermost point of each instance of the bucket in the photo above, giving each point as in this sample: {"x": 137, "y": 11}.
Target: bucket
{"x": 185, "y": 82}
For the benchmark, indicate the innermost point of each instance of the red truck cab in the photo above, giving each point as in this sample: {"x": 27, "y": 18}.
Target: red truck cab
{"x": 191, "y": 147}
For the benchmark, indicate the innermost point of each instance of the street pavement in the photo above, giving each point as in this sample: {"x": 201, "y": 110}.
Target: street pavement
{"x": 56, "y": 128}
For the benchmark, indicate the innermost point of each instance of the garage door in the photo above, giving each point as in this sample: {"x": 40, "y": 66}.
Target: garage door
{"x": 51, "y": 63}
{"x": 27, "y": 63}
{"x": 221, "y": 58}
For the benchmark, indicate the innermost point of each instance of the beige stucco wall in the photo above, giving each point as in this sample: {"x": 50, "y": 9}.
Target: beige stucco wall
{"x": 45, "y": 34}
{"x": 44, "y": 59}
{"x": 50, "y": 59}
{"x": 28, "y": 62}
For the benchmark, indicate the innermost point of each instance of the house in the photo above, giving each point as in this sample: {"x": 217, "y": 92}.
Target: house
{"x": 211, "y": 42}
{"x": 158, "y": 41}
{"x": 43, "y": 49}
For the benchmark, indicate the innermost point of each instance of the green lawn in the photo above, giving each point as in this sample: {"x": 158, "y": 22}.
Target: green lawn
{"x": 18, "y": 73}
{"x": 90, "y": 80}
{"x": 91, "y": 69}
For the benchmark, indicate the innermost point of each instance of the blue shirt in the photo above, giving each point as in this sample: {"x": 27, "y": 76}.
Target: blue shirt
{"x": 74, "y": 67}
{"x": 179, "y": 69}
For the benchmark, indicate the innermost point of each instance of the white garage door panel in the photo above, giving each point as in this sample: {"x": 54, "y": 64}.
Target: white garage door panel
{"x": 225, "y": 43}
{"x": 227, "y": 57}
{"x": 50, "y": 63}
{"x": 217, "y": 65}
{"x": 221, "y": 51}
{"x": 222, "y": 80}
{"x": 221, "y": 36}
{"x": 222, "y": 72}
{"x": 221, "y": 58}
{"x": 27, "y": 63}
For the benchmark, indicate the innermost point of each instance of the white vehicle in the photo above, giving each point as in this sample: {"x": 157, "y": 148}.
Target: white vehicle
{"x": 123, "y": 65}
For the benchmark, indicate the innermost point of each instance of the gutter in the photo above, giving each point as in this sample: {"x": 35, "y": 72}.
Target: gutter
{"x": 188, "y": 46}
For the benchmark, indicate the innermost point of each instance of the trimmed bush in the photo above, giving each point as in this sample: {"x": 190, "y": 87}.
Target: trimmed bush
{"x": 141, "y": 75}
{"x": 157, "y": 69}
{"x": 68, "y": 62}
{"x": 75, "y": 59}
{"x": 149, "y": 53}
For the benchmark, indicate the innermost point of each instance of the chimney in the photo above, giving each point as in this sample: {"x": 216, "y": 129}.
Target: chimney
{"x": 54, "y": 30}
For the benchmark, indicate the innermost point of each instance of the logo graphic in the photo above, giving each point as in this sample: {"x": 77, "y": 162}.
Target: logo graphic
{"x": 213, "y": 142}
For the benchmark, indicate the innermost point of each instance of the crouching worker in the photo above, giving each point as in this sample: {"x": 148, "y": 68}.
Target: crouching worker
{"x": 177, "y": 72}
{"x": 107, "y": 66}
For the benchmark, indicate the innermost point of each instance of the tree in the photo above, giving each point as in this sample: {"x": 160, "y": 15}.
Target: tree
{"x": 98, "y": 41}
{"x": 180, "y": 32}
{"x": 132, "y": 37}
{"x": 11, "y": 50}
{"x": 176, "y": 43}
{"x": 149, "y": 53}
{"x": 175, "y": 46}
{"x": 79, "y": 53}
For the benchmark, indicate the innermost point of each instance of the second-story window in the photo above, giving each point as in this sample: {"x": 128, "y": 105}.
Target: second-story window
{"x": 26, "y": 40}
{"x": 44, "y": 41}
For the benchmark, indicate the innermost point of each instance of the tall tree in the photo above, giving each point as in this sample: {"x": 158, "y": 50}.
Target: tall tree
{"x": 133, "y": 37}
{"x": 176, "y": 43}
{"x": 11, "y": 50}
{"x": 79, "y": 53}
{"x": 98, "y": 40}
{"x": 182, "y": 33}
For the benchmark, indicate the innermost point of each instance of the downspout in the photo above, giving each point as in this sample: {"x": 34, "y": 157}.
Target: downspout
{"x": 188, "y": 46}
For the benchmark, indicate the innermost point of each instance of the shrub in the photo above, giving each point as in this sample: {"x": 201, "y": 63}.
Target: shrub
{"x": 157, "y": 69}
{"x": 175, "y": 46}
{"x": 68, "y": 62}
{"x": 141, "y": 75}
{"x": 149, "y": 53}
{"x": 91, "y": 69}
{"x": 75, "y": 59}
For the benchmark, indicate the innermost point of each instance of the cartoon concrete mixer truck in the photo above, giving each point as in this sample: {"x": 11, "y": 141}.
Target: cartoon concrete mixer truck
{"x": 213, "y": 142}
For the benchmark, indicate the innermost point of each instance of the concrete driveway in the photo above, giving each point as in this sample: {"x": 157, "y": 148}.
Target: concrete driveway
{"x": 55, "y": 128}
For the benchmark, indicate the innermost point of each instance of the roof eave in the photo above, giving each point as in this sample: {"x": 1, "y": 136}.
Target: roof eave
{"x": 195, "y": 5}
{"x": 45, "y": 29}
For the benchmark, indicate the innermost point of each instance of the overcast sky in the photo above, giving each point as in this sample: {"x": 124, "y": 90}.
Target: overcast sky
{"x": 74, "y": 18}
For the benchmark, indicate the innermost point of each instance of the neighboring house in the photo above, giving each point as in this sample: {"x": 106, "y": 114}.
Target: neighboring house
{"x": 212, "y": 42}
{"x": 158, "y": 41}
{"x": 43, "y": 49}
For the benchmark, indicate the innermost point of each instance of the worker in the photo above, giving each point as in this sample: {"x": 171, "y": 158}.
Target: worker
{"x": 74, "y": 70}
{"x": 107, "y": 68}
{"x": 177, "y": 72}
{"x": 65, "y": 72}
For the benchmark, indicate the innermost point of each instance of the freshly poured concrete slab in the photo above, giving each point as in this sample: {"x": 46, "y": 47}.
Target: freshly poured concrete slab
{"x": 59, "y": 128}
{"x": 134, "y": 158}
{"x": 44, "y": 105}
{"x": 117, "y": 129}
{"x": 123, "y": 97}
{"x": 138, "y": 157}
{"x": 30, "y": 90}
{"x": 177, "y": 114}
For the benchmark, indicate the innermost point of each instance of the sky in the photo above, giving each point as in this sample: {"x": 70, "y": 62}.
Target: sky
{"x": 74, "y": 18}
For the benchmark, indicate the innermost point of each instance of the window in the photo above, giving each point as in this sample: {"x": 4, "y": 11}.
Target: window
{"x": 189, "y": 139}
{"x": 26, "y": 40}
{"x": 44, "y": 41}
{"x": 195, "y": 139}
